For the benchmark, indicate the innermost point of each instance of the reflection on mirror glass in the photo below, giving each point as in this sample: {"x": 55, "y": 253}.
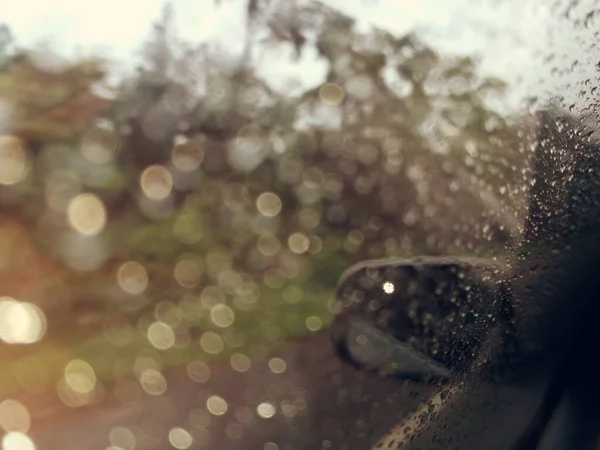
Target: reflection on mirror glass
{"x": 421, "y": 317}
{"x": 263, "y": 224}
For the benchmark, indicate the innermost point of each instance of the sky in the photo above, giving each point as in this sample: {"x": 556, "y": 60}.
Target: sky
{"x": 528, "y": 44}
{"x": 116, "y": 27}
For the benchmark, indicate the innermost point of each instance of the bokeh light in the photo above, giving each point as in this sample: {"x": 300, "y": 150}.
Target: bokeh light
{"x": 14, "y": 160}
{"x": 156, "y": 182}
{"x": 268, "y": 245}
{"x": 212, "y": 343}
{"x": 16, "y": 440}
{"x": 20, "y": 322}
{"x": 388, "y": 287}
{"x": 269, "y": 204}
{"x": 277, "y": 365}
{"x": 132, "y": 277}
{"x": 153, "y": 382}
{"x": 80, "y": 376}
{"x": 187, "y": 272}
{"x": 314, "y": 323}
{"x": 222, "y": 315}
{"x": 161, "y": 336}
{"x": 240, "y": 362}
{"x": 87, "y": 214}
{"x": 216, "y": 405}
{"x": 249, "y": 149}
{"x": 14, "y": 416}
{"x": 266, "y": 410}
{"x": 180, "y": 438}
{"x": 298, "y": 243}
{"x": 332, "y": 94}
{"x": 199, "y": 371}
{"x": 123, "y": 438}
{"x": 99, "y": 144}
{"x": 187, "y": 156}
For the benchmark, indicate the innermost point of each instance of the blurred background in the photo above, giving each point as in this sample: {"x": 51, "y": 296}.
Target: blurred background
{"x": 179, "y": 197}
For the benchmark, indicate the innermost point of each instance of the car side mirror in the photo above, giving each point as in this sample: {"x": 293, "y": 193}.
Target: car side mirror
{"x": 422, "y": 318}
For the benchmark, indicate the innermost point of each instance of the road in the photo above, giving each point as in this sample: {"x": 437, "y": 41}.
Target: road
{"x": 320, "y": 403}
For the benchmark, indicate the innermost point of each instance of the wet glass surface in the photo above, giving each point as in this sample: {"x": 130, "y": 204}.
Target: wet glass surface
{"x": 284, "y": 225}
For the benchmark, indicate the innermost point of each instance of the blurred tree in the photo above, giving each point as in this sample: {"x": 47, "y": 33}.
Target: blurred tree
{"x": 262, "y": 197}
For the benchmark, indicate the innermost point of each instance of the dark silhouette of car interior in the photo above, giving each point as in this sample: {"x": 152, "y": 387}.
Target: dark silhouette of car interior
{"x": 513, "y": 346}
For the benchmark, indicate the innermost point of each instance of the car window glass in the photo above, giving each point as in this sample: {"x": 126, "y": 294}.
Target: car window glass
{"x": 291, "y": 224}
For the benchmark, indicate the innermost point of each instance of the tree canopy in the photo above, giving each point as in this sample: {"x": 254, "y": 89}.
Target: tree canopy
{"x": 205, "y": 198}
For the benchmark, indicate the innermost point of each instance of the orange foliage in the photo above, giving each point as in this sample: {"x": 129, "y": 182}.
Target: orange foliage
{"x": 24, "y": 270}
